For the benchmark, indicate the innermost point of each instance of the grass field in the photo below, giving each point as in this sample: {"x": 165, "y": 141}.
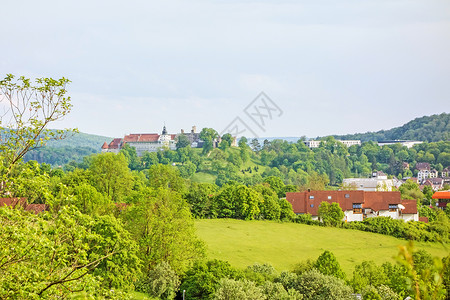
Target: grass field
{"x": 282, "y": 245}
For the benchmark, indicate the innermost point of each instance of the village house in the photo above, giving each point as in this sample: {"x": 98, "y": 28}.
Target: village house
{"x": 23, "y": 203}
{"x": 378, "y": 182}
{"x": 316, "y": 144}
{"x": 425, "y": 172}
{"x": 357, "y": 205}
{"x": 435, "y": 183}
{"x": 443, "y": 198}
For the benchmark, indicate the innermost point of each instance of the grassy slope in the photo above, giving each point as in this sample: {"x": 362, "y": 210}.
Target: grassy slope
{"x": 243, "y": 243}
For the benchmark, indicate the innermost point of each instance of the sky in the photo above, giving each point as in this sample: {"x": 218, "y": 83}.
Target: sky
{"x": 325, "y": 67}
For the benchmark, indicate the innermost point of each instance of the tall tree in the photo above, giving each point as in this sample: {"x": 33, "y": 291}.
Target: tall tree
{"x": 208, "y": 135}
{"x": 27, "y": 110}
{"x": 163, "y": 225}
{"x": 110, "y": 175}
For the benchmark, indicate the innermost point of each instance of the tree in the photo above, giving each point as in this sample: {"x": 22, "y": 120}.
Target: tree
{"x": 166, "y": 177}
{"x": 315, "y": 285}
{"x": 368, "y": 273}
{"x": 201, "y": 280}
{"x": 226, "y": 142}
{"x": 230, "y": 289}
{"x": 131, "y": 155}
{"x": 256, "y": 147}
{"x": 28, "y": 109}
{"x": 110, "y": 175}
{"x": 56, "y": 255}
{"x": 163, "y": 226}
{"x": 182, "y": 141}
{"x": 162, "y": 282}
{"x": 327, "y": 264}
{"x": 411, "y": 190}
{"x": 330, "y": 214}
{"x": 208, "y": 135}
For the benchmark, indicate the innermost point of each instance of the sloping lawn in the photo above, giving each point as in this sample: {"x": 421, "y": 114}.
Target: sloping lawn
{"x": 282, "y": 245}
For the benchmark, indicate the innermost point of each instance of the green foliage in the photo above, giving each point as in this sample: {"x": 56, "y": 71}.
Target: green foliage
{"x": 53, "y": 256}
{"x": 238, "y": 201}
{"x": 411, "y": 190}
{"x": 29, "y": 107}
{"x": 367, "y": 274}
{"x": 327, "y": 264}
{"x": 230, "y": 289}
{"x": 166, "y": 177}
{"x": 182, "y": 141}
{"x": 330, "y": 214}
{"x": 110, "y": 175}
{"x": 429, "y": 128}
{"x": 201, "y": 281}
{"x": 424, "y": 273}
{"x": 315, "y": 285}
{"x": 208, "y": 135}
{"x": 162, "y": 282}
{"x": 200, "y": 199}
{"x": 163, "y": 226}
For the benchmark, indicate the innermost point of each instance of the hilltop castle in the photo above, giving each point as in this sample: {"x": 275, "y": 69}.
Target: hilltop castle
{"x": 152, "y": 142}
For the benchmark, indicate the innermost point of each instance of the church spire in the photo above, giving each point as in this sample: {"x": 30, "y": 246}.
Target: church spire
{"x": 164, "y": 132}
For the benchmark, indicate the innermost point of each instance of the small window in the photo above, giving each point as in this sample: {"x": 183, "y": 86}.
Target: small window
{"x": 393, "y": 207}
{"x": 311, "y": 197}
{"x": 312, "y": 205}
{"x": 329, "y": 197}
{"x": 347, "y": 196}
{"x": 357, "y": 208}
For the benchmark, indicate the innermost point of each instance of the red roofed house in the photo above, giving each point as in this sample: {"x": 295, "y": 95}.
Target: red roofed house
{"x": 435, "y": 183}
{"x": 150, "y": 142}
{"x": 443, "y": 198}
{"x": 357, "y": 205}
{"x": 22, "y": 202}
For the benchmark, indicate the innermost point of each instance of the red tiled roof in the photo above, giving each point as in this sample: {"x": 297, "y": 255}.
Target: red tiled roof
{"x": 36, "y": 208}
{"x": 410, "y": 207}
{"x": 13, "y": 202}
{"x": 308, "y": 202}
{"x": 423, "y": 166}
{"x": 423, "y": 219}
{"x": 105, "y": 145}
{"x": 302, "y": 202}
{"x": 115, "y": 144}
{"x": 145, "y": 137}
{"x": 441, "y": 195}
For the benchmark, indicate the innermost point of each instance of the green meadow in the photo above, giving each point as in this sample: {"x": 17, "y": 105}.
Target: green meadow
{"x": 243, "y": 243}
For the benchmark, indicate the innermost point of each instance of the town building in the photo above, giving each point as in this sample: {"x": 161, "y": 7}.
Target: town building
{"x": 356, "y": 205}
{"x": 443, "y": 198}
{"x": 23, "y": 204}
{"x": 435, "y": 183}
{"x": 142, "y": 142}
{"x": 407, "y": 144}
{"x": 378, "y": 182}
{"x": 316, "y": 144}
{"x": 425, "y": 172}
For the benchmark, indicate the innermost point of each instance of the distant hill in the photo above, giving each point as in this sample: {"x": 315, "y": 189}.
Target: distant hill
{"x": 81, "y": 140}
{"x": 428, "y": 129}
{"x": 74, "y": 147}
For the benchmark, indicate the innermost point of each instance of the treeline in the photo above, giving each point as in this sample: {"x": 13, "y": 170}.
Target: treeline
{"x": 111, "y": 231}
{"x": 433, "y": 128}
{"x": 59, "y": 156}
{"x": 415, "y": 274}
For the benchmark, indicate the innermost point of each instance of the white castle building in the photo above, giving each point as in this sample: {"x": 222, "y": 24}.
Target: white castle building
{"x": 150, "y": 142}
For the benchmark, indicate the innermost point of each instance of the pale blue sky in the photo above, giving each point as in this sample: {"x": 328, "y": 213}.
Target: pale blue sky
{"x": 333, "y": 67}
